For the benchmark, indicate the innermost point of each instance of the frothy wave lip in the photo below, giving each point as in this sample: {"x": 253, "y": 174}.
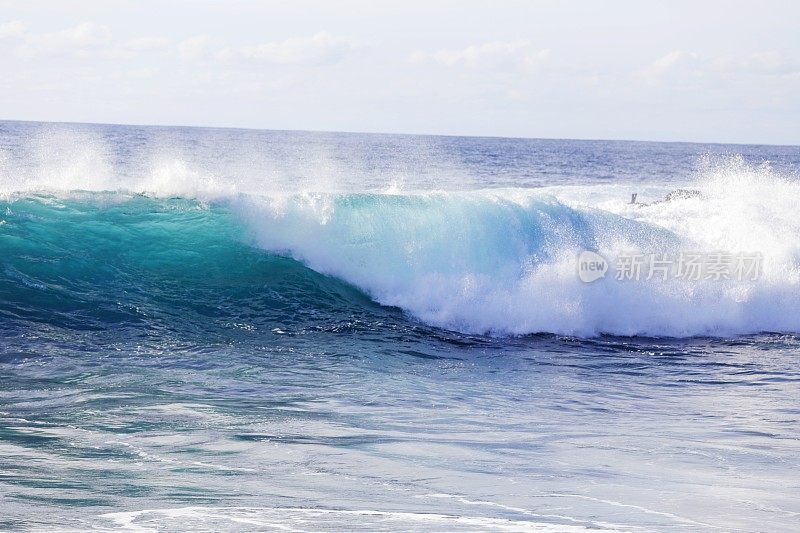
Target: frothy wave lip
{"x": 315, "y": 519}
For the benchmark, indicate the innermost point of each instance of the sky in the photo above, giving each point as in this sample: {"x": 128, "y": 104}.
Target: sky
{"x": 712, "y": 71}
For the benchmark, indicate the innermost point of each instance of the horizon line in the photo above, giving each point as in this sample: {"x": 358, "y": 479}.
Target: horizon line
{"x": 403, "y": 134}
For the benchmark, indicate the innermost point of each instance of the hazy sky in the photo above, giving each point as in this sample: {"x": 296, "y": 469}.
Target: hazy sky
{"x": 724, "y": 71}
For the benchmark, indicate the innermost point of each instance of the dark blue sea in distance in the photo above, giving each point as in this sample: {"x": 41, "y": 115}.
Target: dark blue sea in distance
{"x": 219, "y": 329}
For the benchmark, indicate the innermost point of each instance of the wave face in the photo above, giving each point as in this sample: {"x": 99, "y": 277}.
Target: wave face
{"x": 152, "y": 267}
{"x": 499, "y": 262}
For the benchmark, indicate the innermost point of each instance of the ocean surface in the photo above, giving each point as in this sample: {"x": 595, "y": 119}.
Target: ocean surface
{"x": 219, "y": 329}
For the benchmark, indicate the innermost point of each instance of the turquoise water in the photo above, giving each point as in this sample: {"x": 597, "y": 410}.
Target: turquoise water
{"x": 222, "y": 329}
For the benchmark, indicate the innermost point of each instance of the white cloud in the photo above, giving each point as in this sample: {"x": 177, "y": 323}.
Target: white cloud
{"x": 84, "y": 40}
{"x": 141, "y": 73}
{"x": 197, "y": 47}
{"x": 497, "y": 54}
{"x": 770, "y": 62}
{"x": 671, "y": 60}
{"x": 669, "y": 65}
{"x": 146, "y": 44}
{"x": 12, "y": 29}
{"x": 92, "y": 40}
{"x": 682, "y": 64}
{"x": 77, "y": 40}
{"x": 319, "y": 49}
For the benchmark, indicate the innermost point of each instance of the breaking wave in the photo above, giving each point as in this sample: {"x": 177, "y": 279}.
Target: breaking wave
{"x": 500, "y": 261}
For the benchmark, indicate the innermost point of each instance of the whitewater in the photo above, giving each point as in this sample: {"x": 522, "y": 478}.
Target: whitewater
{"x": 187, "y": 312}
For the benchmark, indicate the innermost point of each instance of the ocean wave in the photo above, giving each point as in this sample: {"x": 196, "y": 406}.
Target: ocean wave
{"x": 499, "y": 262}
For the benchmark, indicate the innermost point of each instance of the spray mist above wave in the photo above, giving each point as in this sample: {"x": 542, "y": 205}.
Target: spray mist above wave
{"x": 211, "y": 165}
{"x": 66, "y": 160}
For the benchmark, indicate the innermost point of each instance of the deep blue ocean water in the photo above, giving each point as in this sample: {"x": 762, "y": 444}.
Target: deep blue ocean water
{"x": 215, "y": 329}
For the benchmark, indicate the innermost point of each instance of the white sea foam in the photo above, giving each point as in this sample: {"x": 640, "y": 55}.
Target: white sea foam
{"x": 308, "y": 519}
